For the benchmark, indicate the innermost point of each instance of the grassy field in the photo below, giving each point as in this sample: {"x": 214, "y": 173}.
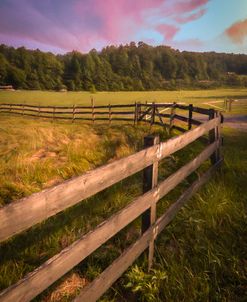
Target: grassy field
{"x": 83, "y": 98}
{"x": 201, "y": 256}
{"x": 34, "y": 156}
{"x": 197, "y": 97}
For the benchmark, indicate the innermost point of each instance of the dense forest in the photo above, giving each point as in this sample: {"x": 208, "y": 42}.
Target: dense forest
{"x": 129, "y": 67}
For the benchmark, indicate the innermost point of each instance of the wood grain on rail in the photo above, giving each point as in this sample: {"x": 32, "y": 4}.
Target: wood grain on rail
{"x": 105, "y": 280}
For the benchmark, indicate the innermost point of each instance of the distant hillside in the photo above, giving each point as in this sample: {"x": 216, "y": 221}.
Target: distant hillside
{"x": 129, "y": 67}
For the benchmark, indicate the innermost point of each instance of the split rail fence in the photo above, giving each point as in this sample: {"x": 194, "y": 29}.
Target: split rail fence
{"x": 27, "y": 212}
{"x": 163, "y": 114}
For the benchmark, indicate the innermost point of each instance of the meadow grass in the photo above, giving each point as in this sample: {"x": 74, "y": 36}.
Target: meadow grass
{"x": 201, "y": 256}
{"x": 34, "y": 156}
{"x": 84, "y": 97}
{"x": 197, "y": 97}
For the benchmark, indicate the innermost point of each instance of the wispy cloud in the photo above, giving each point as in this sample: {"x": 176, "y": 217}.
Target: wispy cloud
{"x": 190, "y": 17}
{"x": 168, "y": 31}
{"x": 237, "y": 32}
{"x": 86, "y": 24}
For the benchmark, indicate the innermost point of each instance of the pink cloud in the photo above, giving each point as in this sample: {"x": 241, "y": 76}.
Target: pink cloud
{"x": 237, "y": 32}
{"x": 119, "y": 18}
{"x": 176, "y": 8}
{"x": 168, "y": 31}
{"x": 191, "y": 17}
{"x": 180, "y": 12}
{"x": 183, "y": 6}
{"x": 86, "y": 24}
{"x": 124, "y": 18}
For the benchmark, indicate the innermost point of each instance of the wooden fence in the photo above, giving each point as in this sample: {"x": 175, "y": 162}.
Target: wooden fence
{"x": 24, "y": 213}
{"x": 163, "y": 114}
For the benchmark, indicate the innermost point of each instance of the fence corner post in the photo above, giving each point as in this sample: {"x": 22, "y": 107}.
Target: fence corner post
{"x": 150, "y": 180}
{"x": 219, "y": 136}
{"x": 213, "y": 137}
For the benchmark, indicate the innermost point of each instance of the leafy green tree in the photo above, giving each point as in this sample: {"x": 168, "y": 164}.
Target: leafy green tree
{"x": 127, "y": 67}
{"x": 71, "y": 85}
{"x": 16, "y": 77}
{"x": 3, "y": 70}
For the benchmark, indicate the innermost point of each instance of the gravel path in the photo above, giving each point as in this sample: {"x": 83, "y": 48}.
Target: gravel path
{"x": 236, "y": 121}
{"x": 232, "y": 121}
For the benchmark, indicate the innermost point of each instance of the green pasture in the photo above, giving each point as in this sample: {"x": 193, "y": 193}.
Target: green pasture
{"x": 83, "y": 97}
{"x": 196, "y": 97}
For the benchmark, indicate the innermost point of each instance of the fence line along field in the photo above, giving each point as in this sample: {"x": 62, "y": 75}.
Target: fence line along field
{"x": 152, "y": 113}
{"x": 202, "y": 98}
{"x": 38, "y": 207}
{"x": 188, "y": 263}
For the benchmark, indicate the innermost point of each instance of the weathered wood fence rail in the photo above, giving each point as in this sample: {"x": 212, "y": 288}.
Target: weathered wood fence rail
{"x": 151, "y": 113}
{"x": 24, "y": 213}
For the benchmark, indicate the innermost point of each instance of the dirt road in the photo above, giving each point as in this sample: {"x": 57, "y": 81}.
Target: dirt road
{"x": 232, "y": 121}
{"x": 236, "y": 121}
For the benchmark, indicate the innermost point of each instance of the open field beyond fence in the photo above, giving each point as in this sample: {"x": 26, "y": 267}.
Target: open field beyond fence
{"x": 163, "y": 114}
{"x": 214, "y": 99}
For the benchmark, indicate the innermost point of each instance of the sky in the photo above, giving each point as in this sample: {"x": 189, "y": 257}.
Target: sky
{"x": 61, "y": 26}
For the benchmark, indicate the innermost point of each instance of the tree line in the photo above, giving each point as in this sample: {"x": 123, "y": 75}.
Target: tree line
{"x": 126, "y": 67}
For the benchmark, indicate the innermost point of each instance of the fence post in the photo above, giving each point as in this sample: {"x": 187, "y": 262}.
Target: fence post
{"x": 230, "y": 105}
{"x": 92, "y": 104}
{"x": 173, "y": 108}
{"x": 213, "y": 136}
{"x": 146, "y": 109}
{"x": 225, "y": 105}
{"x": 190, "y": 116}
{"x": 135, "y": 114}
{"x": 150, "y": 180}
{"x": 109, "y": 114}
{"x": 73, "y": 114}
{"x": 23, "y": 108}
{"x": 53, "y": 114}
{"x": 39, "y": 111}
{"x": 152, "y": 118}
{"x": 219, "y": 136}
{"x": 139, "y": 110}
